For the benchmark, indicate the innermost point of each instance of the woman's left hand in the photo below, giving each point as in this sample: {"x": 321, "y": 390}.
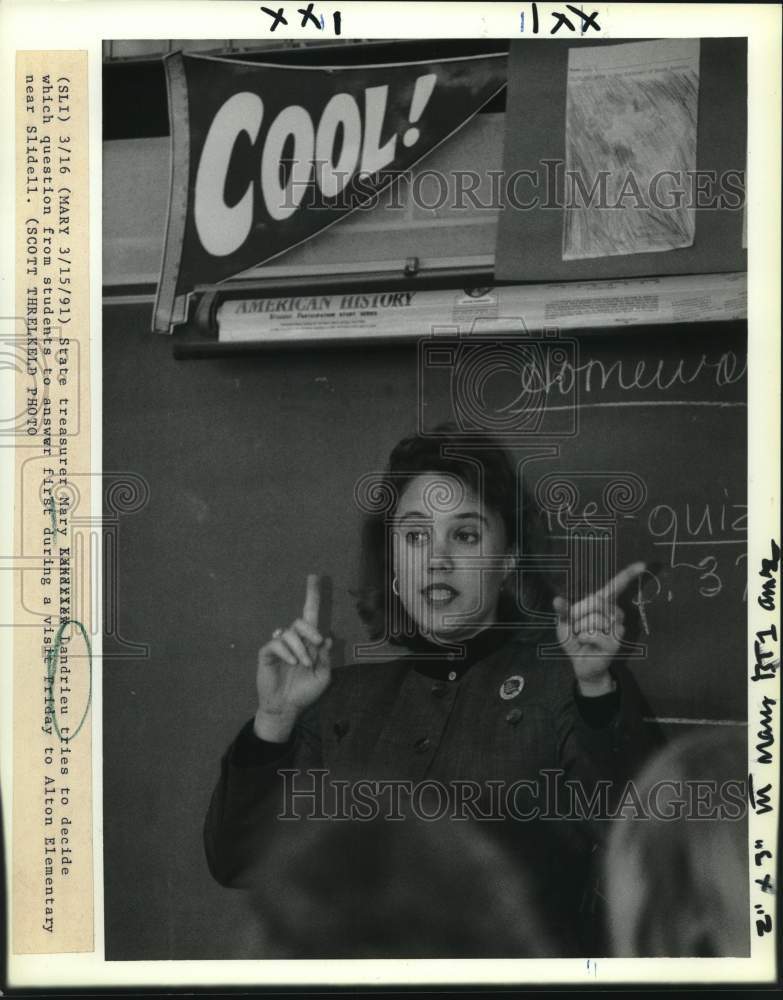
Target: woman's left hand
{"x": 591, "y": 630}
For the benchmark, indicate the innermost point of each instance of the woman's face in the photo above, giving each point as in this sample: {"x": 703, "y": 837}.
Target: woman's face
{"x": 450, "y": 557}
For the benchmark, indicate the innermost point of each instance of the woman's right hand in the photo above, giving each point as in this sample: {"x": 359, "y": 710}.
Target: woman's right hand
{"x": 294, "y": 670}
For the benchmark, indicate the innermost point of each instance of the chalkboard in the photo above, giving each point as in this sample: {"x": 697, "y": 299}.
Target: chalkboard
{"x": 648, "y": 426}
{"x": 243, "y": 471}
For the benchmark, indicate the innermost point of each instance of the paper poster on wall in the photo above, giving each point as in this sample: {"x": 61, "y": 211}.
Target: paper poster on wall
{"x": 631, "y": 127}
{"x": 411, "y": 315}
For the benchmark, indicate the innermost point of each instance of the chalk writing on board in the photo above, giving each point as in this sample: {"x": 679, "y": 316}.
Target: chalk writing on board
{"x": 680, "y": 535}
{"x": 629, "y": 375}
{"x": 700, "y": 540}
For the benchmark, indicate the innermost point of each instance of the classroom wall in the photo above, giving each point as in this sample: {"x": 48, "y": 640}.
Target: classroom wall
{"x": 250, "y": 465}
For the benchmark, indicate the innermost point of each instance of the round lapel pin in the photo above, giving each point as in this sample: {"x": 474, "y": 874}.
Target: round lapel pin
{"x": 511, "y": 687}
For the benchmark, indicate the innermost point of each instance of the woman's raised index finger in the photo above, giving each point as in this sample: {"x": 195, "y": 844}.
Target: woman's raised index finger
{"x": 312, "y": 604}
{"x": 618, "y": 583}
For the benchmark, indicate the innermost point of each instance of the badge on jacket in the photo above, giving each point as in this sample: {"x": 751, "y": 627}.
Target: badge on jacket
{"x": 511, "y": 687}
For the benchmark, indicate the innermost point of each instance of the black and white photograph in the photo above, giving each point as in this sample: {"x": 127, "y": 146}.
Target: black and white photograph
{"x": 430, "y": 638}
{"x": 432, "y": 594}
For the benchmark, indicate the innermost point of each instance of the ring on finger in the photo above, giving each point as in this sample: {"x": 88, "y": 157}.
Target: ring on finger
{"x": 277, "y": 633}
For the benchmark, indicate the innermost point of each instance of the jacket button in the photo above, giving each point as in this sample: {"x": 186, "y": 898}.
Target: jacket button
{"x": 438, "y": 689}
{"x": 422, "y": 745}
{"x": 514, "y": 716}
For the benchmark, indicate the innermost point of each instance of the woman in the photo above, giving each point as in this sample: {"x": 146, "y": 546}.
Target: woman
{"x": 472, "y": 708}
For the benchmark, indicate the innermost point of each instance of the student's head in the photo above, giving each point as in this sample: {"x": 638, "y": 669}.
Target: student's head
{"x": 678, "y": 884}
{"x": 405, "y": 888}
{"x": 444, "y": 552}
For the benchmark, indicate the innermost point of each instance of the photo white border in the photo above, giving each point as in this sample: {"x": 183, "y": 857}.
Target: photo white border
{"x": 27, "y": 24}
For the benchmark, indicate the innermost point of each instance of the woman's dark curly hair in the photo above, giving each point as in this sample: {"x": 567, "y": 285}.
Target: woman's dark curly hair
{"x": 483, "y": 466}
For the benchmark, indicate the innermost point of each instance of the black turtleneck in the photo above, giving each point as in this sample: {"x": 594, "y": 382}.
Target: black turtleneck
{"x": 441, "y": 663}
